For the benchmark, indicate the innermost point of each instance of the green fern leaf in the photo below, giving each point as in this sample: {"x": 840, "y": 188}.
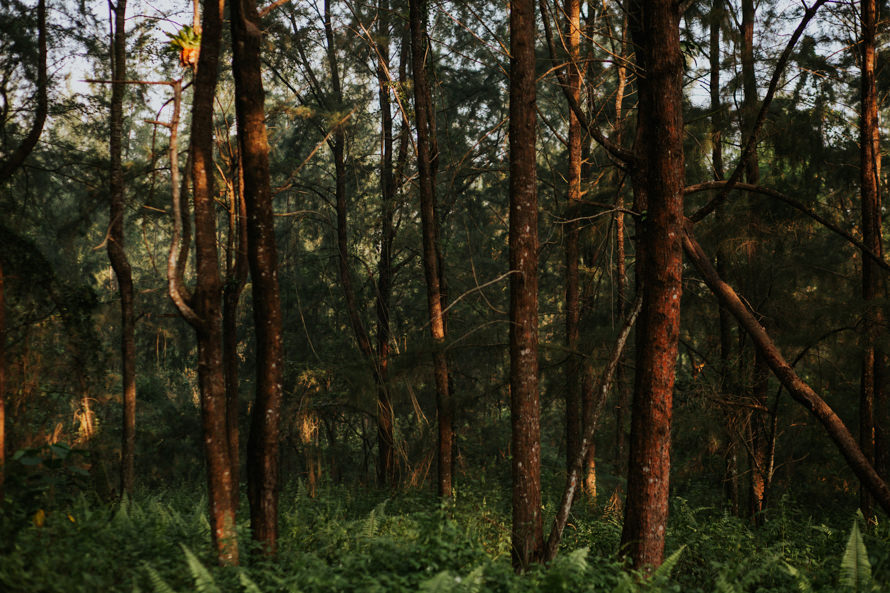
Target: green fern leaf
{"x": 157, "y": 581}
{"x": 204, "y": 582}
{"x": 855, "y": 567}
{"x": 663, "y": 572}
{"x": 247, "y": 584}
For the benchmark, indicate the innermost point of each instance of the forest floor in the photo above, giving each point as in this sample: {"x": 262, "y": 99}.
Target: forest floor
{"x": 361, "y": 540}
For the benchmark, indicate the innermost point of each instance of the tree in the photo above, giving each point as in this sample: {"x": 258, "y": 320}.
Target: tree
{"x": 654, "y": 26}
{"x": 117, "y": 255}
{"x": 262, "y": 445}
{"x": 203, "y": 310}
{"x": 872, "y": 390}
{"x": 528, "y": 541}
{"x": 427, "y": 158}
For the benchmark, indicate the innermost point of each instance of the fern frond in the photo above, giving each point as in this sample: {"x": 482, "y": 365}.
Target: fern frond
{"x": 157, "y": 581}
{"x": 247, "y": 584}
{"x": 204, "y": 582}
{"x": 663, "y": 572}
{"x": 855, "y": 567}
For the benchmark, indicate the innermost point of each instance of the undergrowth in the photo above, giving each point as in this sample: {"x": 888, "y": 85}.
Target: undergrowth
{"x": 349, "y": 541}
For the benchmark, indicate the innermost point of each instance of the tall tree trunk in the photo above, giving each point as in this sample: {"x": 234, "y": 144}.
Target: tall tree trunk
{"x": 2, "y": 383}
{"x": 870, "y": 170}
{"x": 386, "y": 468}
{"x": 236, "y": 277}
{"x": 427, "y": 157}
{"x": 204, "y": 310}
{"x": 655, "y": 29}
{"x": 525, "y": 412}
{"x": 116, "y": 251}
{"x": 572, "y": 9}
{"x": 262, "y": 255}
{"x": 730, "y": 477}
{"x": 18, "y": 156}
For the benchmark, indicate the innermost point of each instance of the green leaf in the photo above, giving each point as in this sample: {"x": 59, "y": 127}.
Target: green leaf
{"x": 663, "y": 572}
{"x": 204, "y": 582}
{"x": 157, "y": 582}
{"x": 855, "y": 567}
{"x": 247, "y": 584}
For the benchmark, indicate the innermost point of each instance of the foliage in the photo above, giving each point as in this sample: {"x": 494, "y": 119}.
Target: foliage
{"x": 376, "y": 541}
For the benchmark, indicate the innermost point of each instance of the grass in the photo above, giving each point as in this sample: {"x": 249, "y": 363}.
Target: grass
{"x": 351, "y": 540}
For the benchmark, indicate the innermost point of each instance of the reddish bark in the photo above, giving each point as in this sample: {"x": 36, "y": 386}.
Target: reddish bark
{"x": 872, "y": 392}
{"x": 262, "y": 445}
{"x": 655, "y": 28}
{"x": 206, "y": 313}
{"x": 427, "y": 156}
{"x": 528, "y": 543}
{"x": 117, "y": 253}
{"x": 236, "y": 277}
{"x": 572, "y": 9}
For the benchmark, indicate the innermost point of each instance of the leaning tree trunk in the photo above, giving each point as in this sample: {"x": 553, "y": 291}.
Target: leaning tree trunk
{"x": 796, "y": 387}
{"x": 117, "y": 254}
{"x": 655, "y": 29}
{"x": 872, "y": 389}
{"x": 203, "y": 311}
{"x": 528, "y": 539}
{"x": 262, "y": 445}
{"x": 432, "y": 258}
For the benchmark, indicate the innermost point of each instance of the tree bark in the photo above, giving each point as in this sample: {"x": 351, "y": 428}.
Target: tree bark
{"x": 236, "y": 277}
{"x": 262, "y": 446}
{"x": 572, "y": 10}
{"x": 528, "y": 543}
{"x": 799, "y": 390}
{"x": 17, "y": 158}
{"x": 206, "y": 313}
{"x": 117, "y": 254}
{"x": 872, "y": 396}
{"x": 386, "y": 468}
{"x": 2, "y": 383}
{"x": 655, "y": 28}
{"x": 427, "y": 156}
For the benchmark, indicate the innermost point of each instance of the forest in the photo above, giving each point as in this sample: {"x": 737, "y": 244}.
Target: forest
{"x": 443, "y": 295}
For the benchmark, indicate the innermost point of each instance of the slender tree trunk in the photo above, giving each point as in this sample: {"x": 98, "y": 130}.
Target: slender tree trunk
{"x": 572, "y": 9}
{"x": 204, "y": 310}
{"x": 655, "y": 29}
{"x": 796, "y": 387}
{"x": 262, "y": 446}
{"x": 730, "y": 478}
{"x": 525, "y": 412}
{"x": 870, "y": 171}
{"x": 236, "y": 277}
{"x": 117, "y": 253}
{"x": 2, "y": 383}
{"x": 427, "y": 156}
{"x": 386, "y": 469}
{"x": 18, "y": 156}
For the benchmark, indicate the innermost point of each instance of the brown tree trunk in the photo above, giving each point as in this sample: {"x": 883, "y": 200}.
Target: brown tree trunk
{"x": 427, "y": 156}
{"x": 204, "y": 310}
{"x": 799, "y": 390}
{"x": 2, "y": 383}
{"x": 572, "y": 9}
{"x": 262, "y": 255}
{"x": 116, "y": 251}
{"x": 525, "y": 412}
{"x": 18, "y": 156}
{"x": 236, "y": 277}
{"x": 655, "y": 29}
{"x": 871, "y": 389}
{"x": 386, "y": 468}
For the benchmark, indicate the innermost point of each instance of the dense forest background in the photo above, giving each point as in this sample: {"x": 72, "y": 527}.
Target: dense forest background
{"x": 392, "y": 185}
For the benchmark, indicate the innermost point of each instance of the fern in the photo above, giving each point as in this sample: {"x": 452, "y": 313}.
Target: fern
{"x": 157, "y": 581}
{"x": 247, "y": 584}
{"x": 204, "y": 582}
{"x": 663, "y": 573}
{"x": 855, "y": 567}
